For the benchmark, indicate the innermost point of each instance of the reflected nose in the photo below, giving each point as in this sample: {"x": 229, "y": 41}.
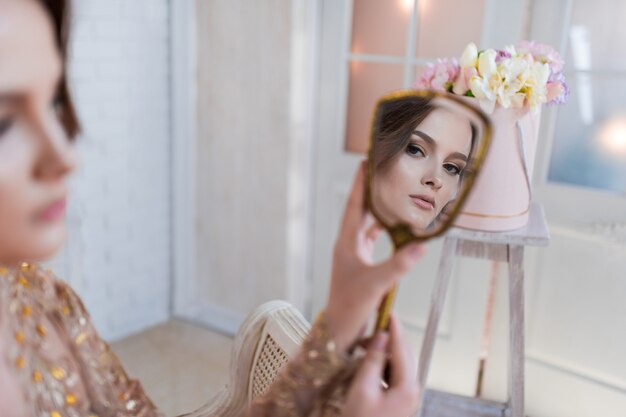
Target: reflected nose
{"x": 57, "y": 156}
{"x": 431, "y": 179}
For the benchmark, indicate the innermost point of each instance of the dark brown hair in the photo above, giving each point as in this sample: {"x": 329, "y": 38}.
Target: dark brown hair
{"x": 394, "y": 125}
{"x": 59, "y": 11}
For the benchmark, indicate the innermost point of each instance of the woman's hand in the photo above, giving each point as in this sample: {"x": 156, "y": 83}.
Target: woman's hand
{"x": 367, "y": 397}
{"x": 357, "y": 284}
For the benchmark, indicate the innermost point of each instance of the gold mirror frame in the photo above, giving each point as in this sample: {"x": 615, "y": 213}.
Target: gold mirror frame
{"x": 401, "y": 234}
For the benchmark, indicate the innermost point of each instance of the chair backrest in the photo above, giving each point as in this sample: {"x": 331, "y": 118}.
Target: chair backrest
{"x": 280, "y": 340}
{"x": 268, "y": 338}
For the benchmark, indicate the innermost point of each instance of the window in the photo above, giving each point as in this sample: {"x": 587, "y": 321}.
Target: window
{"x": 590, "y": 137}
{"x": 390, "y": 40}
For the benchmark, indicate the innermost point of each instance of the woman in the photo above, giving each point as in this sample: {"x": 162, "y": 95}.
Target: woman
{"x": 420, "y": 153}
{"x": 52, "y": 361}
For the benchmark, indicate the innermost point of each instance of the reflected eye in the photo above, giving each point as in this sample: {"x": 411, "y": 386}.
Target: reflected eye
{"x": 5, "y": 125}
{"x": 452, "y": 169}
{"x": 414, "y": 150}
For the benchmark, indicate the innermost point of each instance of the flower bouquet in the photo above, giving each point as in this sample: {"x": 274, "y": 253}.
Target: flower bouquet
{"x": 510, "y": 85}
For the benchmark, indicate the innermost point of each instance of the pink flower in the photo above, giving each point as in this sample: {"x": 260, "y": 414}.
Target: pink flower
{"x": 553, "y": 91}
{"x": 557, "y": 89}
{"x": 438, "y": 76}
{"x": 425, "y": 77}
{"x": 542, "y": 53}
{"x": 502, "y": 54}
{"x": 462, "y": 84}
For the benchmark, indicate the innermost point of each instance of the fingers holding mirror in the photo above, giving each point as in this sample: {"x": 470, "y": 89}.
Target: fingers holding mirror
{"x": 424, "y": 154}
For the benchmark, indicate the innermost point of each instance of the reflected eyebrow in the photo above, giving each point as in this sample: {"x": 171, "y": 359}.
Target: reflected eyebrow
{"x": 433, "y": 143}
{"x": 425, "y": 136}
{"x": 459, "y": 155}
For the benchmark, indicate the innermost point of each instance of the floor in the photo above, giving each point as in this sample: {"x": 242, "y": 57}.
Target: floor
{"x": 180, "y": 365}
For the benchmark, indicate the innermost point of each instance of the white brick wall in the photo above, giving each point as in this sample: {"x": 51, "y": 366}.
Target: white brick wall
{"x": 118, "y": 252}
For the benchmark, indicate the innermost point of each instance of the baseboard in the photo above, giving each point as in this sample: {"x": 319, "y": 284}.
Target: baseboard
{"x": 216, "y": 318}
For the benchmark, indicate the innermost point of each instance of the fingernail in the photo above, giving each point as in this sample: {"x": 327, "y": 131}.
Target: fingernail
{"x": 380, "y": 341}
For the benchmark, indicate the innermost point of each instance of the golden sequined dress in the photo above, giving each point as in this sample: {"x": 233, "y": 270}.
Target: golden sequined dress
{"x": 53, "y": 363}
{"x": 60, "y": 365}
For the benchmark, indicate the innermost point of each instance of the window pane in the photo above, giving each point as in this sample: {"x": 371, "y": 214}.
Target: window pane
{"x": 380, "y": 26}
{"x": 446, "y": 26}
{"x": 590, "y": 138}
{"x": 597, "y": 35}
{"x": 368, "y": 81}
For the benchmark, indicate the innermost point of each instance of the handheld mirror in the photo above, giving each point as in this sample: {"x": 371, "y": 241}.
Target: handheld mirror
{"x": 425, "y": 150}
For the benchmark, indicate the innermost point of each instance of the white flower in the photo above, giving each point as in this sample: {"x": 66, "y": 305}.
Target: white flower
{"x": 469, "y": 56}
{"x": 535, "y": 87}
{"x": 487, "y": 63}
{"x": 540, "y": 73}
{"x": 485, "y": 91}
{"x": 514, "y": 73}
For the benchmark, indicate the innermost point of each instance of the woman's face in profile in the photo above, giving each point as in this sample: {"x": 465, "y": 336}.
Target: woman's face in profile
{"x": 425, "y": 175}
{"x": 35, "y": 153}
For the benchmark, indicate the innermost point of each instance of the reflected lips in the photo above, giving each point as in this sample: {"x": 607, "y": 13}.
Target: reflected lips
{"x": 55, "y": 211}
{"x": 423, "y": 201}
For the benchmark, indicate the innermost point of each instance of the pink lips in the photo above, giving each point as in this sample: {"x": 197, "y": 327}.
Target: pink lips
{"x": 423, "y": 202}
{"x": 55, "y": 211}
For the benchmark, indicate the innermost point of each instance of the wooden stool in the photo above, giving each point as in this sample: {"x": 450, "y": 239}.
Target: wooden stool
{"x": 503, "y": 247}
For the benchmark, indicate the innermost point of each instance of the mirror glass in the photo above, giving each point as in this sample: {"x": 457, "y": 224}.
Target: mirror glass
{"x": 425, "y": 151}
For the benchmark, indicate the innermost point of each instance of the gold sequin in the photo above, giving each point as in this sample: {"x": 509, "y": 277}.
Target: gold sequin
{"x": 55, "y": 414}
{"x": 66, "y": 310}
{"x": 20, "y": 362}
{"x": 37, "y": 376}
{"x": 23, "y": 281}
{"x": 70, "y": 399}
{"x": 20, "y": 336}
{"x": 81, "y": 338}
{"x": 41, "y": 330}
{"x": 58, "y": 373}
{"x": 130, "y": 405}
{"x": 4, "y": 271}
{"x": 25, "y": 266}
{"x": 27, "y": 311}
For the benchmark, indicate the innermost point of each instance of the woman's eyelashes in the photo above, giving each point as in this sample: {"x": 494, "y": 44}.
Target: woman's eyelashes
{"x": 452, "y": 169}
{"x": 6, "y": 123}
{"x": 15, "y": 111}
{"x": 57, "y": 101}
{"x": 414, "y": 150}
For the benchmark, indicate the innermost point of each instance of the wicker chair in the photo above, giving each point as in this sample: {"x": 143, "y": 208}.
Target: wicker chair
{"x": 265, "y": 342}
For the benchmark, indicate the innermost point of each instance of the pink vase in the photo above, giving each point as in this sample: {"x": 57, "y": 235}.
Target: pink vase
{"x": 500, "y": 200}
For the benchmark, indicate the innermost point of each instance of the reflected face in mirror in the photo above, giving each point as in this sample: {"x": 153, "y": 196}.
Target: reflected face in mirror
{"x": 420, "y": 154}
